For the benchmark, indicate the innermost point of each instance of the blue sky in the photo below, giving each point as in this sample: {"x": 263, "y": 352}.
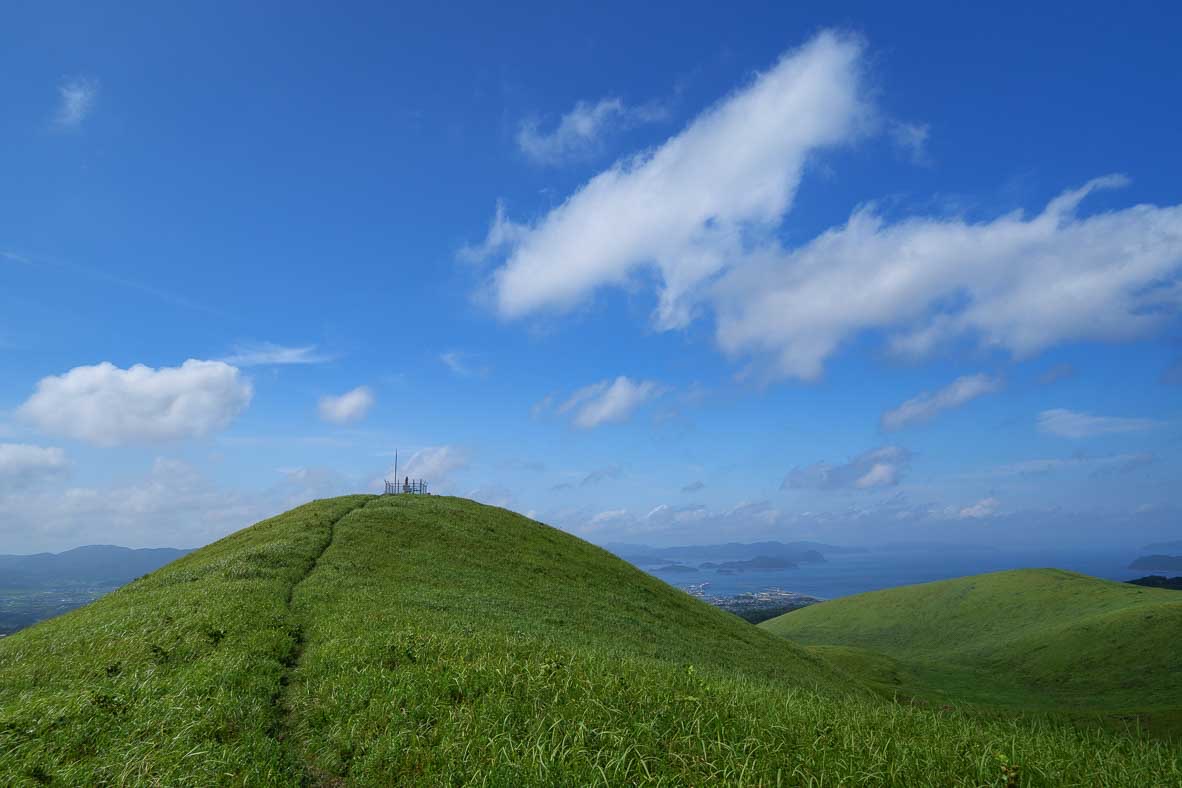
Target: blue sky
{"x": 854, "y": 274}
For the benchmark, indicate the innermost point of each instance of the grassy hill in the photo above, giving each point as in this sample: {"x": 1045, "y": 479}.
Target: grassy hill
{"x": 377, "y": 641}
{"x": 1027, "y": 639}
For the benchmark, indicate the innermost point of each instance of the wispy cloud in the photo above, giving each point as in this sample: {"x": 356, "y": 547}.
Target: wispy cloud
{"x": 76, "y": 97}
{"x": 580, "y": 132}
{"x": 982, "y": 509}
{"x": 927, "y": 405}
{"x": 912, "y": 138}
{"x": 609, "y": 401}
{"x": 1056, "y": 373}
{"x": 434, "y": 464}
{"x": 23, "y": 465}
{"x": 1097, "y": 466}
{"x": 350, "y": 407}
{"x": 257, "y": 354}
{"x": 1074, "y": 424}
{"x": 600, "y": 475}
{"x": 463, "y": 365}
{"x": 881, "y": 467}
{"x": 693, "y": 487}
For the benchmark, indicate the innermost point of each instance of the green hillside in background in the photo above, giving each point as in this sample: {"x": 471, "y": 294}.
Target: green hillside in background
{"x": 390, "y": 640}
{"x": 1024, "y": 639}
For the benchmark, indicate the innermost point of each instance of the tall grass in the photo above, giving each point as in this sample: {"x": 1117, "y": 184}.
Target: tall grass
{"x": 172, "y": 679}
{"x": 1032, "y": 638}
{"x": 369, "y": 641}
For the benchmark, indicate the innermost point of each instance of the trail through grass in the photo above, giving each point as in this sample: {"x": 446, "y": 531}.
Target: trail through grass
{"x": 407, "y": 640}
{"x": 172, "y": 679}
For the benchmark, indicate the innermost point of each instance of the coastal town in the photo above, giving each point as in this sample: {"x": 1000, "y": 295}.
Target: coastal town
{"x": 754, "y": 606}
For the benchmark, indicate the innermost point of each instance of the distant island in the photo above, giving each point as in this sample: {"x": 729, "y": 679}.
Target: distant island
{"x": 1159, "y": 581}
{"x": 1157, "y": 562}
{"x": 676, "y": 568}
{"x": 761, "y": 563}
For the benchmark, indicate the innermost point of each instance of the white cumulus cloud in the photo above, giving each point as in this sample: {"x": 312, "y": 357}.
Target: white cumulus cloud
{"x": 685, "y": 207}
{"x": 108, "y": 406}
{"x": 702, "y": 212}
{"x": 928, "y": 404}
{"x": 609, "y": 401}
{"x": 1016, "y": 284}
{"x": 347, "y": 408}
{"x": 1074, "y": 424}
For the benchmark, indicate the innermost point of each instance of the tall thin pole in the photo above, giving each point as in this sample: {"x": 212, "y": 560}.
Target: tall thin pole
{"x": 396, "y": 466}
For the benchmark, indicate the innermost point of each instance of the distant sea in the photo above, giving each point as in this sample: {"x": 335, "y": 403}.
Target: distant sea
{"x": 855, "y": 573}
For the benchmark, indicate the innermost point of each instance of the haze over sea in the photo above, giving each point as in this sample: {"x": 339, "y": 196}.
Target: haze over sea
{"x": 843, "y": 574}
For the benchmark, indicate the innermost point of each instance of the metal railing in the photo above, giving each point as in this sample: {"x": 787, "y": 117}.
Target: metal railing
{"x": 407, "y": 486}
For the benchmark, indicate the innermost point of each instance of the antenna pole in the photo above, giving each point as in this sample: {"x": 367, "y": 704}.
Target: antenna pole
{"x": 396, "y": 466}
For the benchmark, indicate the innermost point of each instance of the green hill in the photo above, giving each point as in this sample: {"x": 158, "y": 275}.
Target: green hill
{"x": 1027, "y": 639}
{"x": 378, "y": 641}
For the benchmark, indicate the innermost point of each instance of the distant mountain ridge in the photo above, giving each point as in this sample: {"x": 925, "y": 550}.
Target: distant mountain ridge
{"x": 106, "y": 565}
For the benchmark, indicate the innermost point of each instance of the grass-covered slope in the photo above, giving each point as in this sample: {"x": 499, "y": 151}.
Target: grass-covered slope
{"x": 379, "y": 641}
{"x": 1031, "y": 638}
{"x": 172, "y": 678}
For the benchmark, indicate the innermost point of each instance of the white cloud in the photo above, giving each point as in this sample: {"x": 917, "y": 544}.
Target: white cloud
{"x": 173, "y": 505}
{"x": 75, "y": 100}
{"x": 1100, "y": 466}
{"x": 609, "y": 401}
{"x": 1074, "y": 424}
{"x": 609, "y": 516}
{"x": 493, "y": 495}
{"x": 541, "y": 407}
{"x": 912, "y": 138}
{"x": 686, "y": 207}
{"x": 349, "y": 407}
{"x": 23, "y": 465}
{"x": 503, "y": 233}
{"x": 463, "y": 364}
{"x": 1056, "y": 373}
{"x": 986, "y": 507}
{"x": 268, "y": 354}
{"x": 434, "y": 464}
{"x": 580, "y": 131}
{"x": 601, "y": 474}
{"x": 1016, "y": 284}
{"x": 881, "y": 467}
{"x": 702, "y": 210}
{"x": 681, "y": 523}
{"x": 928, "y": 405}
{"x": 109, "y": 406}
